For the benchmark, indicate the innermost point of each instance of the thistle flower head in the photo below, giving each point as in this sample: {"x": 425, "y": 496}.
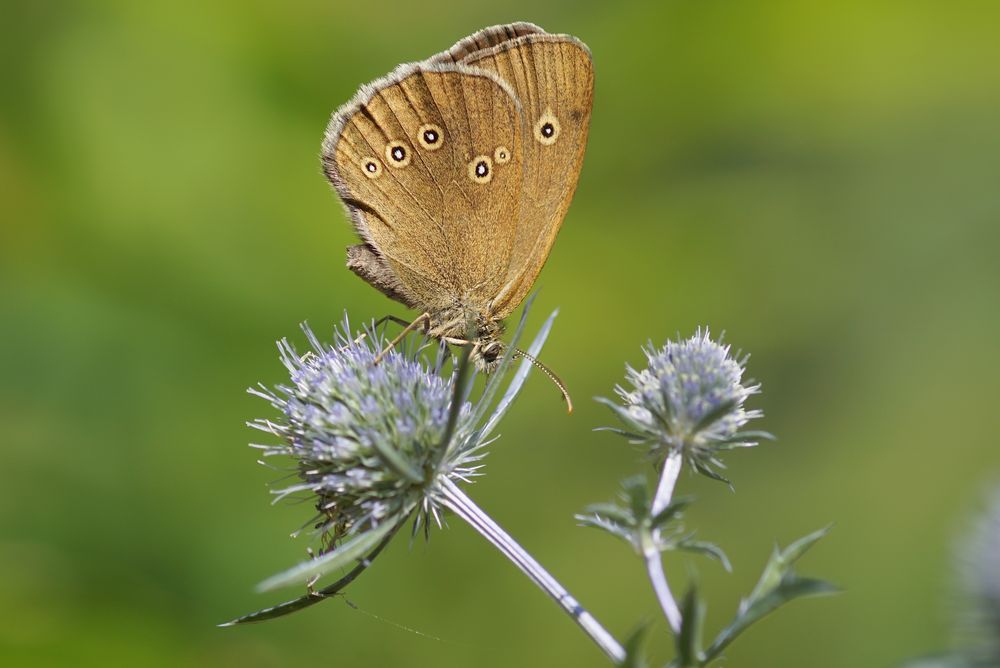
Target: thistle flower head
{"x": 371, "y": 445}
{"x": 690, "y": 398}
{"x": 979, "y": 623}
{"x": 367, "y": 441}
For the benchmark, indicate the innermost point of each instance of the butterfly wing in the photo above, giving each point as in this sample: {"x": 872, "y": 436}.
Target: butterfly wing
{"x": 553, "y": 77}
{"x": 485, "y": 39}
{"x": 414, "y": 158}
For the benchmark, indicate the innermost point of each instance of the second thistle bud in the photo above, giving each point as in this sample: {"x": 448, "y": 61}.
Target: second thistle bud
{"x": 690, "y": 398}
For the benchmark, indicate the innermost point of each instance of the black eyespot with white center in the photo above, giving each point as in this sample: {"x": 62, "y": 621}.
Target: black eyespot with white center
{"x": 372, "y": 168}
{"x": 430, "y": 136}
{"x": 397, "y": 154}
{"x": 481, "y": 169}
{"x": 547, "y": 128}
{"x": 501, "y": 156}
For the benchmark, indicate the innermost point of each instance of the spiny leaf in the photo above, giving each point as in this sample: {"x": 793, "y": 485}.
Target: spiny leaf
{"x": 710, "y": 417}
{"x": 710, "y": 550}
{"x": 346, "y": 553}
{"x": 620, "y": 432}
{"x": 672, "y": 511}
{"x": 626, "y": 533}
{"x": 636, "y": 491}
{"x": 622, "y": 414}
{"x": 634, "y": 657}
{"x": 689, "y": 654}
{"x": 781, "y": 562}
{"x": 791, "y": 588}
{"x": 710, "y": 473}
{"x": 288, "y": 607}
{"x": 520, "y": 375}
{"x": 778, "y": 585}
{"x": 397, "y": 462}
{"x": 610, "y": 511}
{"x": 750, "y": 435}
{"x": 495, "y": 380}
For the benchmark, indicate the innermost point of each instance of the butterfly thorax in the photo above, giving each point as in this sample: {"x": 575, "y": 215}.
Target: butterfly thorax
{"x": 459, "y": 324}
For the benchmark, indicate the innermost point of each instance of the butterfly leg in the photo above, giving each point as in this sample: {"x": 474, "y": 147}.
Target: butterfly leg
{"x": 463, "y": 342}
{"x": 305, "y": 359}
{"x": 455, "y": 342}
{"x": 384, "y": 319}
{"x": 420, "y": 320}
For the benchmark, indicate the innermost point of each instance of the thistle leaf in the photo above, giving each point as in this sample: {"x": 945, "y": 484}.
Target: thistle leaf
{"x": 709, "y": 472}
{"x": 778, "y": 585}
{"x": 711, "y": 416}
{"x": 689, "y": 653}
{"x": 620, "y": 432}
{"x": 493, "y": 384}
{"x": 397, "y": 462}
{"x": 610, "y": 511}
{"x": 710, "y": 550}
{"x": 288, "y": 607}
{"x": 634, "y": 657}
{"x": 624, "y": 532}
{"x": 636, "y": 491}
{"x": 350, "y": 551}
{"x": 623, "y": 415}
{"x": 520, "y": 376}
{"x": 672, "y": 511}
{"x": 781, "y": 562}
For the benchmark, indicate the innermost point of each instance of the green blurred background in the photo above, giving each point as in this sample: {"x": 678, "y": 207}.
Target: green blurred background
{"x": 819, "y": 180}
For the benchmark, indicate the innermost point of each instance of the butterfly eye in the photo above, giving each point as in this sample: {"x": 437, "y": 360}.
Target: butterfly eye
{"x": 430, "y": 136}
{"x": 502, "y": 155}
{"x": 373, "y": 168}
{"x": 547, "y": 128}
{"x": 481, "y": 169}
{"x": 397, "y": 154}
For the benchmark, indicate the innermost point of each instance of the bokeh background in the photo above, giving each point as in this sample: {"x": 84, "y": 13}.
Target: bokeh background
{"x": 819, "y": 180}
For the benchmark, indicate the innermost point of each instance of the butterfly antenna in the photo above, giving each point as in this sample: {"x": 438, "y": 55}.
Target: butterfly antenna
{"x": 548, "y": 372}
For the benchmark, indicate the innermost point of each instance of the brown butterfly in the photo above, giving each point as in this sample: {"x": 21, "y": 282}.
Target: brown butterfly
{"x": 457, "y": 172}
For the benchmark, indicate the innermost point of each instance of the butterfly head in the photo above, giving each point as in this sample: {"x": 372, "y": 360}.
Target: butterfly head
{"x": 487, "y": 355}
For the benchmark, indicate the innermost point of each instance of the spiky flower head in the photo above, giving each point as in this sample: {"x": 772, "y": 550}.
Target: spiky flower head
{"x": 690, "y": 398}
{"x": 372, "y": 444}
{"x": 367, "y": 441}
{"x": 979, "y": 558}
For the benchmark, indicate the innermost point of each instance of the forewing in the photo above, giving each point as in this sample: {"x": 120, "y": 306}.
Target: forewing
{"x": 413, "y": 157}
{"x": 553, "y": 77}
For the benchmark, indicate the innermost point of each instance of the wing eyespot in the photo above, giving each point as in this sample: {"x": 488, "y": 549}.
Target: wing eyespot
{"x": 397, "y": 154}
{"x": 481, "y": 169}
{"x": 547, "y": 129}
{"x": 502, "y": 155}
{"x": 372, "y": 168}
{"x": 430, "y": 136}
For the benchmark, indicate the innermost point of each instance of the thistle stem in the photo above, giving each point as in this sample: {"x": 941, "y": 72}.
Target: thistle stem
{"x": 654, "y": 562}
{"x": 466, "y": 508}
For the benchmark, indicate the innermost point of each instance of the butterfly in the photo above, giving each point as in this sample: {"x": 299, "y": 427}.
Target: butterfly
{"x": 457, "y": 172}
